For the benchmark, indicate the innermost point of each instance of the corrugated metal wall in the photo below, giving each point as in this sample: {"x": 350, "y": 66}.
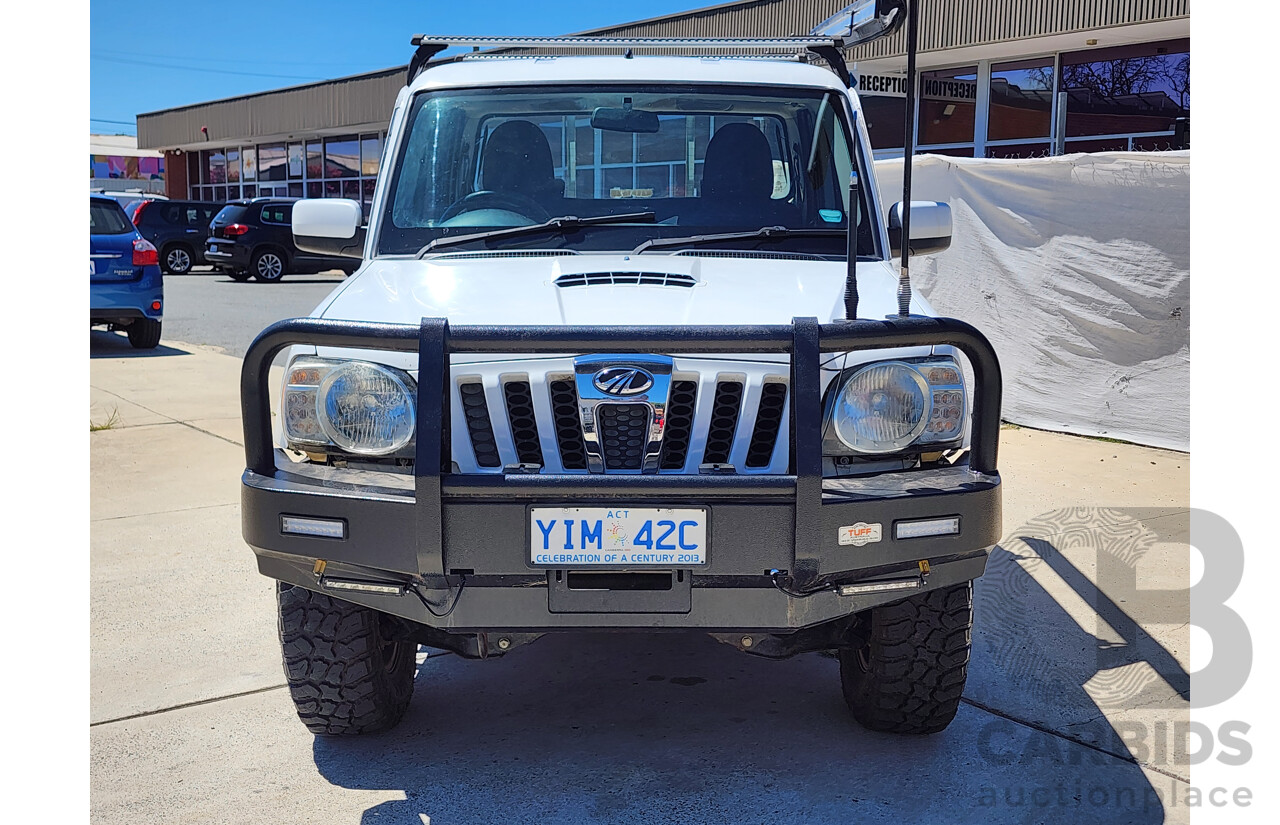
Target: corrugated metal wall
{"x": 367, "y": 99}
{"x": 336, "y": 104}
{"x": 947, "y": 24}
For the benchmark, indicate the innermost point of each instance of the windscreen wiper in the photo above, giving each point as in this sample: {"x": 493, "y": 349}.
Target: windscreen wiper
{"x": 560, "y": 225}
{"x": 764, "y": 233}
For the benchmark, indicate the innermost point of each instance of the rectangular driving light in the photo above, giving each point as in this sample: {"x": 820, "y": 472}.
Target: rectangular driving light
{"x": 325, "y": 528}
{"x": 385, "y": 588}
{"x": 877, "y": 587}
{"x": 929, "y": 527}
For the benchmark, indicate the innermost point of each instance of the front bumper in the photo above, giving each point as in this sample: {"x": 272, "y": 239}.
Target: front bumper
{"x": 433, "y": 528}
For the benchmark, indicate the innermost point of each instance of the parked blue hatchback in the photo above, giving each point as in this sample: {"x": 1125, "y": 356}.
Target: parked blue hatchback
{"x": 126, "y": 289}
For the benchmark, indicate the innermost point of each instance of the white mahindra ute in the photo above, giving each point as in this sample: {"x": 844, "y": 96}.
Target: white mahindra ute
{"x": 627, "y": 350}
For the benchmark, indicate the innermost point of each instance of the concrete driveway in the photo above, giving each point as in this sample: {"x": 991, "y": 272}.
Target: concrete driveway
{"x": 1075, "y": 686}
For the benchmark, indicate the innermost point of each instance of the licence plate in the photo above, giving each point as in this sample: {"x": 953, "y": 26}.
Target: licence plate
{"x": 617, "y": 537}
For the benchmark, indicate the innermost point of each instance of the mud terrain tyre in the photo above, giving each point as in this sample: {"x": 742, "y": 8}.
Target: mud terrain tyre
{"x": 906, "y": 673}
{"x": 345, "y": 676}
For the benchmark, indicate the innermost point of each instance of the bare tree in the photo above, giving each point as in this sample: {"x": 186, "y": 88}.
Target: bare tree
{"x": 1126, "y": 76}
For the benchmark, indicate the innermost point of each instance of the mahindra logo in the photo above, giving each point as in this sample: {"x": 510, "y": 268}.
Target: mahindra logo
{"x": 622, "y": 381}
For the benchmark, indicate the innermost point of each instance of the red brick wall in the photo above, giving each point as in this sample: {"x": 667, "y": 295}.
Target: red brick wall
{"x": 175, "y": 175}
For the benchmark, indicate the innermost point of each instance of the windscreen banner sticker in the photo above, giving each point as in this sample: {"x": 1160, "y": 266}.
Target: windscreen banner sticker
{"x": 860, "y": 534}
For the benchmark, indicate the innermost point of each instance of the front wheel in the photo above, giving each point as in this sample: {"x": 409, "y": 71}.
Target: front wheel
{"x": 267, "y": 265}
{"x": 345, "y": 674}
{"x": 144, "y": 333}
{"x": 906, "y": 670}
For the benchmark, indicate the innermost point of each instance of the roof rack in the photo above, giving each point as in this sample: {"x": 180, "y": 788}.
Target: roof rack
{"x": 828, "y": 48}
{"x": 608, "y": 43}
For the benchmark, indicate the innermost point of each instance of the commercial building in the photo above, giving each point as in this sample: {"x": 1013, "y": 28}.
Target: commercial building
{"x": 117, "y": 164}
{"x": 1018, "y": 78}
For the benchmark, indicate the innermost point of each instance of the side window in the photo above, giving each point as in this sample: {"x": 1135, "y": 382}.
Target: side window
{"x": 171, "y": 215}
{"x": 191, "y": 216}
{"x": 277, "y": 213}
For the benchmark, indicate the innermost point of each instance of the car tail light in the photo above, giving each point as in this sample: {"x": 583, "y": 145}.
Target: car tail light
{"x": 137, "y": 214}
{"x": 144, "y": 253}
{"x": 234, "y": 230}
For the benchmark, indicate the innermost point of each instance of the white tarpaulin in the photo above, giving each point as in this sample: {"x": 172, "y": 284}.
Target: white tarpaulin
{"x": 1078, "y": 270}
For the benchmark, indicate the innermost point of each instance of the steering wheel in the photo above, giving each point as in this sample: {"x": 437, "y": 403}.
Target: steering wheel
{"x": 509, "y": 201}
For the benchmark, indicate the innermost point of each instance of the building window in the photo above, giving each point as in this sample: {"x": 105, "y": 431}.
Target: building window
{"x": 341, "y": 167}
{"x": 1131, "y": 97}
{"x": 249, "y": 161}
{"x": 295, "y": 161}
{"x": 342, "y": 157}
{"x": 272, "y": 162}
{"x": 370, "y": 155}
{"x": 1021, "y": 108}
{"x": 948, "y": 105}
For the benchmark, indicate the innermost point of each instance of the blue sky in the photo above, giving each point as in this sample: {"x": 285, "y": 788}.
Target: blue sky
{"x": 147, "y": 55}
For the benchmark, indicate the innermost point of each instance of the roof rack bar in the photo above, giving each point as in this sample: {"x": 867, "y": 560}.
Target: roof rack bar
{"x": 604, "y": 43}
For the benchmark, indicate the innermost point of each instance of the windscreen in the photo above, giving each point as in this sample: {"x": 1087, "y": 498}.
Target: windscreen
{"x": 700, "y": 158}
{"x": 107, "y": 218}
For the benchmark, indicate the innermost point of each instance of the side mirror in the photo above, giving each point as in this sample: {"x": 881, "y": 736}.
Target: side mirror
{"x": 329, "y": 226}
{"x": 863, "y": 21}
{"x": 930, "y": 228}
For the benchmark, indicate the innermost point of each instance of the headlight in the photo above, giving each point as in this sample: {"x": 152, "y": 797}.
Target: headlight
{"x": 887, "y": 406}
{"x": 360, "y": 407}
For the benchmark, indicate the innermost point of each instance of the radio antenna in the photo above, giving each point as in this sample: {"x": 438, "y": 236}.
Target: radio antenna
{"x": 909, "y": 139}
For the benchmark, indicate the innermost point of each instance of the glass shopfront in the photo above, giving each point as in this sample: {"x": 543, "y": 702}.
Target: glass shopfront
{"x": 344, "y": 166}
{"x": 1133, "y": 98}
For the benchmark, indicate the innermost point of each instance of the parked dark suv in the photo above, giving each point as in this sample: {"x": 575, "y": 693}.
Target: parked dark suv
{"x": 255, "y": 237}
{"x": 177, "y": 228}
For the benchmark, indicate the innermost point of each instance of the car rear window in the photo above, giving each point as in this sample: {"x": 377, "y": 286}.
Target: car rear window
{"x": 107, "y": 218}
{"x": 231, "y": 213}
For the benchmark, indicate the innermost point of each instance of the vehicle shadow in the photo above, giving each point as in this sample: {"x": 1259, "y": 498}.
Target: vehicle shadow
{"x": 104, "y": 344}
{"x": 602, "y": 727}
{"x": 292, "y": 279}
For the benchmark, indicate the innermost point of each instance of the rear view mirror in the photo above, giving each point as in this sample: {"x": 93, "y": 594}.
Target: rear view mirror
{"x": 930, "y": 228}
{"x": 625, "y": 119}
{"x": 328, "y": 226}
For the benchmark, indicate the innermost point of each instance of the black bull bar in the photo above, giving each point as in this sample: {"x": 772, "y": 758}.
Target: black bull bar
{"x": 434, "y": 340}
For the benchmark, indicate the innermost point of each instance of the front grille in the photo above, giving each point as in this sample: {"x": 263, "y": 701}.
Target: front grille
{"x": 528, "y": 411}
{"x": 621, "y": 429}
{"x": 524, "y": 424}
{"x": 724, "y": 422}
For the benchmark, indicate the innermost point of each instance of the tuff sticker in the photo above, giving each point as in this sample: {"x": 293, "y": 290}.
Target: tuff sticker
{"x": 860, "y": 534}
